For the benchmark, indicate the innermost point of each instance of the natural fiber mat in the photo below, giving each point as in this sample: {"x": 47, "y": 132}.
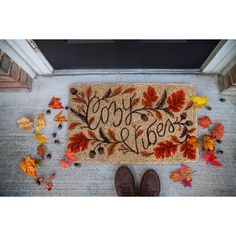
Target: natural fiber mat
{"x": 132, "y": 123}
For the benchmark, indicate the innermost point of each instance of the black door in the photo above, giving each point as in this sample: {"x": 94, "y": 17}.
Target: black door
{"x": 126, "y": 54}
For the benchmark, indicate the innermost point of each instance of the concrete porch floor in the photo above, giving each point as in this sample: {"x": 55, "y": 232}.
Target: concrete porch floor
{"x": 98, "y": 179}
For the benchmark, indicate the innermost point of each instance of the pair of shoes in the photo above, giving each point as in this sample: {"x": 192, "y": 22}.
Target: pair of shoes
{"x": 125, "y": 186}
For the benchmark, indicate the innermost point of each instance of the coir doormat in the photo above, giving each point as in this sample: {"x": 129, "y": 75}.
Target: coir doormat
{"x": 132, "y": 123}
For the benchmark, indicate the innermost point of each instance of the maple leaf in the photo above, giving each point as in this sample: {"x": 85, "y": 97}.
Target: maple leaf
{"x": 64, "y": 164}
{"x": 60, "y": 118}
{"x": 25, "y": 123}
{"x": 204, "y": 122}
{"x": 165, "y": 149}
{"x": 79, "y": 142}
{"x": 218, "y": 131}
{"x": 210, "y": 157}
{"x": 199, "y": 101}
{"x": 188, "y": 151}
{"x": 55, "y": 103}
{"x": 41, "y": 122}
{"x": 176, "y": 101}
{"x": 41, "y": 138}
{"x": 28, "y": 165}
{"x": 186, "y": 172}
{"x": 70, "y": 156}
{"x": 193, "y": 141}
{"x": 150, "y": 97}
{"x": 208, "y": 142}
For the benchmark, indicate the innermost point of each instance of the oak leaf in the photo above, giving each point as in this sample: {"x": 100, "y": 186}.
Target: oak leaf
{"x": 194, "y": 142}
{"x": 218, "y": 131}
{"x": 55, "y": 103}
{"x": 78, "y": 142}
{"x": 208, "y": 142}
{"x": 176, "y": 101}
{"x": 199, "y": 101}
{"x": 25, "y": 123}
{"x": 149, "y": 97}
{"x": 204, "y": 122}
{"x": 40, "y": 122}
{"x": 188, "y": 151}
{"x": 165, "y": 149}
{"x": 41, "y": 138}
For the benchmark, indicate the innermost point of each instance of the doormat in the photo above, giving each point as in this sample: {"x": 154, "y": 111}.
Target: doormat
{"x": 132, "y": 123}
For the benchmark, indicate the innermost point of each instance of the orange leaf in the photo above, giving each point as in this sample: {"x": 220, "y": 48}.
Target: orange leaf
{"x": 28, "y": 165}
{"x": 55, "y": 103}
{"x": 73, "y": 125}
{"x": 41, "y": 150}
{"x": 158, "y": 115}
{"x": 112, "y": 135}
{"x": 149, "y": 97}
{"x": 135, "y": 102}
{"x": 139, "y": 133}
{"x": 60, "y": 118}
{"x": 78, "y": 142}
{"x": 188, "y": 151}
{"x": 111, "y": 149}
{"x": 208, "y": 142}
{"x": 92, "y": 134}
{"x": 189, "y": 105}
{"x": 176, "y": 101}
{"x": 117, "y": 91}
{"x": 175, "y": 139}
{"x": 25, "y": 123}
{"x": 88, "y": 92}
{"x": 64, "y": 164}
{"x": 70, "y": 156}
{"x": 129, "y": 90}
{"x": 218, "y": 132}
{"x": 175, "y": 176}
{"x": 204, "y": 122}
{"x": 165, "y": 149}
{"x": 192, "y": 140}
{"x": 78, "y": 100}
{"x": 145, "y": 153}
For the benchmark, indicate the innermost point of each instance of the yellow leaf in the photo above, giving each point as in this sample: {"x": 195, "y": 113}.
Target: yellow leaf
{"x": 60, "y": 118}
{"x": 41, "y": 122}
{"x": 25, "y": 123}
{"x": 199, "y": 101}
{"x": 41, "y": 138}
{"x": 194, "y": 142}
{"x": 208, "y": 142}
{"x": 28, "y": 165}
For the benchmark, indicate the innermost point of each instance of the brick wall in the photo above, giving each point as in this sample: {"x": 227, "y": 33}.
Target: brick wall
{"x": 13, "y": 77}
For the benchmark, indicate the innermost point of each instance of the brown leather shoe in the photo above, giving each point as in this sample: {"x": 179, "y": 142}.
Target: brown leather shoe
{"x": 150, "y": 184}
{"x": 124, "y": 182}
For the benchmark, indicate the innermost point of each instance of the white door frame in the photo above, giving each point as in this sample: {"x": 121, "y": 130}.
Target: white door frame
{"x": 27, "y": 55}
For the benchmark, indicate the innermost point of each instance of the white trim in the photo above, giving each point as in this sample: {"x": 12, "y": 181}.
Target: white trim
{"x": 222, "y": 61}
{"x": 27, "y": 55}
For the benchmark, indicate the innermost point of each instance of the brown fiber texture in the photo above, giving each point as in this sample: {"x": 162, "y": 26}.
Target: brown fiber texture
{"x": 132, "y": 123}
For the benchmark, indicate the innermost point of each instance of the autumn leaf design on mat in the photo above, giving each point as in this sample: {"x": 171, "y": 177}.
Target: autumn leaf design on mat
{"x": 139, "y": 121}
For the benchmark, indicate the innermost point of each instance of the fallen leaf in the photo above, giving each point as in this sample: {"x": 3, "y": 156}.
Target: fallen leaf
{"x": 204, "y": 122}
{"x": 41, "y": 150}
{"x": 210, "y": 157}
{"x": 64, "y": 164}
{"x": 55, "y": 103}
{"x": 60, "y": 118}
{"x": 175, "y": 176}
{"x": 199, "y": 101}
{"x": 40, "y": 122}
{"x": 49, "y": 186}
{"x": 70, "y": 156}
{"x": 208, "y": 142}
{"x": 28, "y": 165}
{"x": 218, "y": 131}
{"x": 25, "y": 123}
{"x": 41, "y": 138}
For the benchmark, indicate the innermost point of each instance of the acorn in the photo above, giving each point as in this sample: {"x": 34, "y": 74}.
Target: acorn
{"x": 66, "y": 108}
{"x": 76, "y": 164}
{"x": 56, "y": 141}
{"x": 222, "y": 99}
{"x": 101, "y": 150}
{"x": 183, "y": 115}
{"x": 144, "y": 117}
{"x": 92, "y": 154}
{"x": 49, "y": 156}
{"x": 208, "y": 108}
{"x": 60, "y": 126}
{"x": 219, "y": 151}
{"x": 48, "y": 112}
{"x": 189, "y": 123}
{"x": 219, "y": 141}
{"x": 73, "y": 91}
{"x": 54, "y": 135}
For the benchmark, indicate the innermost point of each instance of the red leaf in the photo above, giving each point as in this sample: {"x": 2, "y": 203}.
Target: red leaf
{"x": 64, "y": 164}
{"x": 186, "y": 183}
{"x": 150, "y": 97}
{"x": 188, "y": 151}
{"x": 139, "y": 133}
{"x": 129, "y": 90}
{"x": 52, "y": 176}
{"x": 88, "y": 92}
{"x": 165, "y": 149}
{"x": 176, "y": 101}
{"x": 216, "y": 163}
{"x": 135, "y": 102}
{"x": 146, "y": 153}
{"x": 55, "y": 103}
{"x": 70, "y": 156}
{"x": 49, "y": 186}
{"x": 204, "y": 122}
{"x": 117, "y": 91}
{"x": 218, "y": 132}
{"x": 79, "y": 142}
{"x": 209, "y": 157}
{"x": 41, "y": 150}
